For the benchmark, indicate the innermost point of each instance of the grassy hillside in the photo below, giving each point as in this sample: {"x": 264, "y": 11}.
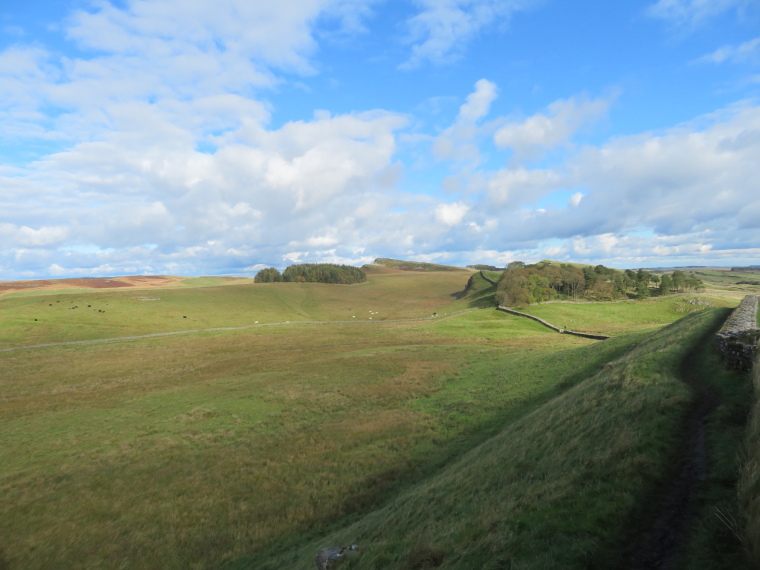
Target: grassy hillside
{"x": 133, "y": 312}
{"x": 474, "y": 438}
{"x": 620, "y": 317}
{"x": 415, "y": 265}
{"x": 559, "y": 486}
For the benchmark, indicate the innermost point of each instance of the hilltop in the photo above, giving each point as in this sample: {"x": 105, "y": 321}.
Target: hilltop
{"x": 412, "y": 265}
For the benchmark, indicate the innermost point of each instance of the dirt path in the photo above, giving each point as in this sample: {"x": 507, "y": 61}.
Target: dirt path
{"x": 217, "y": 329}
{"x": 660, "y": 546}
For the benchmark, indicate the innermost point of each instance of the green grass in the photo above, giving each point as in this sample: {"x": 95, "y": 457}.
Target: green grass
{"x": 561, "y": 483}
{"x": 749, "y": 484}
{"x": 175, "y": 451}
{"x": 134, "y": 312}
{"x": 479, "y": 438}
{"x": 626, "y": 316}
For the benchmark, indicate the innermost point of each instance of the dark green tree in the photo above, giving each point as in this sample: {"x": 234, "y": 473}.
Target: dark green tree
{"x": 268, "y": 275}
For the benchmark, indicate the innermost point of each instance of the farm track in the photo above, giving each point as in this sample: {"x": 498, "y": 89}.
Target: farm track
{"x": 660, "y": 546}
{"x": 220, "y": 329}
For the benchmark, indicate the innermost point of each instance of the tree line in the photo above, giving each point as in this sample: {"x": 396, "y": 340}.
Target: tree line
{"x": 312, "y": 273}
{"x": 522, "y": 284}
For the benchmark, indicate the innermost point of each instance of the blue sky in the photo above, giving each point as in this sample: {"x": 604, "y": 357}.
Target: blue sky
{"x": 195, "y": 137}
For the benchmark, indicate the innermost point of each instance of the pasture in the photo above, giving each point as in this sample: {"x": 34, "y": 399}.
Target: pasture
{"x": 249, "y": 448}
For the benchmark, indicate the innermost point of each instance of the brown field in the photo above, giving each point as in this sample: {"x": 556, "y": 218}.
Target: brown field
{"x": 141, "y": 281}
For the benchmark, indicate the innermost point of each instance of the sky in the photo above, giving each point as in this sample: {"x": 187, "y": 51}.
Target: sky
{"x": 200, "y": 137}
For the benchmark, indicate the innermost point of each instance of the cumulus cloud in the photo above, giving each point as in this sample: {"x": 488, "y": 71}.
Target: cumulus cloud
{"x": 442, "y": 28}
{"x": 544, "y": 131}
{"x": 451, "y": 214}
{"x": 459, "y": 141}
{"x": 194, "y": 60}
{"x": 693, "y": 184}
{"x": 515, "y": 187}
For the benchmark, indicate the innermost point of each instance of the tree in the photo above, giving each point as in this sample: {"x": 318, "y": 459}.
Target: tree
{"x": 679, "y": 280}
{"x": 642, "y": 289}
{"x": 666, "y": 284}
{"x": 538, "y": 288}
{"x": 268, "y": 275}
{"x": 323, "y": 273}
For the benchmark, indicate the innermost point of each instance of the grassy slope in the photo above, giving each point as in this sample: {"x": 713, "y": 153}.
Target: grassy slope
{"x": 749, "y": 486}
{"x": 167, "y": 451}
{"x": 191, "y": 451}
{"x": 551, "y": 489}
{"x": 621, "y": 317}
{"x": 392, "y": 296}
{"x": 406, "y": 265}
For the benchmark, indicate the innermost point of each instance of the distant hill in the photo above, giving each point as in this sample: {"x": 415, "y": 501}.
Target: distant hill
{"x": 414, "y": 265}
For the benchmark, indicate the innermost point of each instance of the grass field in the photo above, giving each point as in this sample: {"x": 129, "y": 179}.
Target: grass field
{"x": 133, "y": 312}
{"x": 626, "y": 316}
{"x": 459, "y": 438}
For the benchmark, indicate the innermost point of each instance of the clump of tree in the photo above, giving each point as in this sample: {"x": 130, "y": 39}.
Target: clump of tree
{"x": 268, "y": 275}
{"x": 680, "y": 282}
{"x": 522, "y": 284}
{"x": 323, "y": 273}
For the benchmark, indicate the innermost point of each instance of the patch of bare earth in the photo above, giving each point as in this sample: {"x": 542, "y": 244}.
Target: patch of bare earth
{"x": 138, "y": 281}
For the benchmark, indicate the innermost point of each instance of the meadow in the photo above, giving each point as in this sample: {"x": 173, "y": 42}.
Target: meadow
{"x": 472, "y": 439}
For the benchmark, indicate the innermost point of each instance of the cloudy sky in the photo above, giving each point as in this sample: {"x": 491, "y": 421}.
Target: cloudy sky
{"x": 198, "y": 137}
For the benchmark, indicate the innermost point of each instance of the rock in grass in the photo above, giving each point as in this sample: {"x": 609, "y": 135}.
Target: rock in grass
{"x": 328, "y": 555}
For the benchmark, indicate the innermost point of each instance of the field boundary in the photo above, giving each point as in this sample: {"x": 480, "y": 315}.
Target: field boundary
{"x": 244, "y": 327}
{"x": 491, "y": 281}
{"x": 551, "y": 326}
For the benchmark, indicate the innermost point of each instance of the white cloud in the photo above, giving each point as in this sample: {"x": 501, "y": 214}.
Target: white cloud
{"x": 735, "y": 54}
{"x": 575, "y": 199}
{"x": 544, "y": 131}
{"x": 693, "y": 12}
{"x": 25, "y": 236}
{"x": 479, "y": 102}
{"x": 440, "y": 32}
{"x": 513, "y": 188}
{"x": 190, "y": 60}
{"x": 697, "y": 179}
{"x": 451, "y": 214}
{"x": 459, "y": 141}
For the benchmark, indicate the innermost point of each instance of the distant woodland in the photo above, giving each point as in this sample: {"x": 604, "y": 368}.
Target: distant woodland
{"x": 522, "y": 284}
{"x": 312, "y": 273}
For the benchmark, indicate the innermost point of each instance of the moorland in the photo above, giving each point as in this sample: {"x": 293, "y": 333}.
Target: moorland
{"x": 218, "y": 423}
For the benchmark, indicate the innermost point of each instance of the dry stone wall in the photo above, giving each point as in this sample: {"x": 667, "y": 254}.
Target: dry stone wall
{"x": 738, "y": 339}
{"x": 551, "y": 326}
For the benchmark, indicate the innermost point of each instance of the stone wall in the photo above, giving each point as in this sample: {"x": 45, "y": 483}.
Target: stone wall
{"x": 738, "y": 339}
{"x": 551, "y": 326}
